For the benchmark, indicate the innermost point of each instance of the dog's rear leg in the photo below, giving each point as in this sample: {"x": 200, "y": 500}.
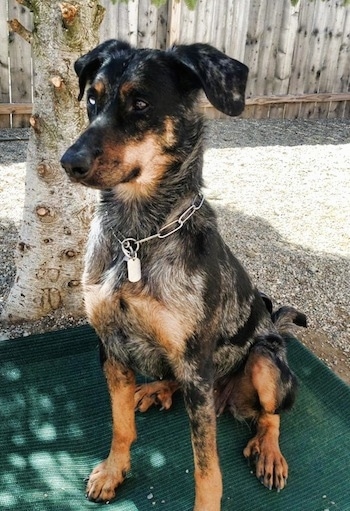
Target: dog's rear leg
{"x": 263, "y": 449}
{"x": 199, "y": 401}
{"x": 155, "y": 393}
{"x": 109, "y": 474}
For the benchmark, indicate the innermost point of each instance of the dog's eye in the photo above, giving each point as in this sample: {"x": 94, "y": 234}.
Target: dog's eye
{"x": 140, "y": 105}
{"x": 91, "y": 100}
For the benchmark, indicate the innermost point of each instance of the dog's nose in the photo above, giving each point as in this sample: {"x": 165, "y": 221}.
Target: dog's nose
{"x": 76, "y": 163}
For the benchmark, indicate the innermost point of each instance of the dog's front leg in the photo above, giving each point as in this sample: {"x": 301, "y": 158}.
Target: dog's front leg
{"x": 199, "y": 403}
{"x": 109, "y": 474}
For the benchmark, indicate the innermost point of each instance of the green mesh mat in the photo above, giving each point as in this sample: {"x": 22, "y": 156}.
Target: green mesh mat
{"x": 55, "y": 426}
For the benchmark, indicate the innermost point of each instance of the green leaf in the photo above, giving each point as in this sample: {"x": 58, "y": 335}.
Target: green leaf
{"x": 159, "y": 3}
{"x": 191, "y": 4}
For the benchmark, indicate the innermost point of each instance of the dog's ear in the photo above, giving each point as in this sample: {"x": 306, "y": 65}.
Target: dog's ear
{"x": 222, "y": 78}
{"x": 87, "y": 66}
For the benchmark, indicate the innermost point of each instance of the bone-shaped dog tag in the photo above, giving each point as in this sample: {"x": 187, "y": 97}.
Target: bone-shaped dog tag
{"x": 134, "y": 269}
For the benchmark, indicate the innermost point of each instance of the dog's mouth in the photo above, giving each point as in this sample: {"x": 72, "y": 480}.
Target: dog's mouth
{"x": 93, "y": 170}
{"x": 102, "y": 175}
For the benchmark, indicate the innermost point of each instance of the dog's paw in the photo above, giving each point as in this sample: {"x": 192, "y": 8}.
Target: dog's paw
{"x": 271, "y": 467}
{"x": 155, "y": 393}
{"x": 103, "y": 482}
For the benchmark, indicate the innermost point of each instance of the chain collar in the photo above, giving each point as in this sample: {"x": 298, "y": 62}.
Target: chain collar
{"x": 130, "y": 246}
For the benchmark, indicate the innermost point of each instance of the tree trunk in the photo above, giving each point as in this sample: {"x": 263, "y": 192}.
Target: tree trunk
{"x": 56, "y": 214}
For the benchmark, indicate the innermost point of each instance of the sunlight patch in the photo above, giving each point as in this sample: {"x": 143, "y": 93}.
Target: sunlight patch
{"x": 157, "y": 459}
{"x": 7, "y": 500}
{"x": 17, "y": 461}
{"x": 46, "y": 432}
{"x": 10, "y": 371}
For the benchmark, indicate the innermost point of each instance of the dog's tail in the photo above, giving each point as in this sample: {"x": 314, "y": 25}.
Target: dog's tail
{"x": 285, "y": 318}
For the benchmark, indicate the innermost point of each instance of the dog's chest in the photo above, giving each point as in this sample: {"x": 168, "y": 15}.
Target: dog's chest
{"x": 144, "y": 324}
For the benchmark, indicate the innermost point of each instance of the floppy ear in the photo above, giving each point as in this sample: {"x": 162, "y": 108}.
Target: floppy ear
{"x": 87, "y": 66}
{"x": 223, "y": 79}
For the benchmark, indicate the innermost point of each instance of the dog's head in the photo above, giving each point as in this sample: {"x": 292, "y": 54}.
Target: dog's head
{"x": 141, "y": 107}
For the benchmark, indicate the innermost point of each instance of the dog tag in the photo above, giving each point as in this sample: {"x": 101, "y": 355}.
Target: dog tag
{"x": 134, "y": 269}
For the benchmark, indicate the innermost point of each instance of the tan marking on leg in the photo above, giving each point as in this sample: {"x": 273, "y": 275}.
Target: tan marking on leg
{"x": 240, "y": 392}
{"x": 109, "y": 474}
{"x": 265, "y": 377}
{"x": 271, "y": 466}
{"x": 207, "y": 474}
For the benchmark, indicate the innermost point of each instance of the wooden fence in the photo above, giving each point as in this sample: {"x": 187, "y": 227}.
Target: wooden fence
{"x": 298, "y": 52}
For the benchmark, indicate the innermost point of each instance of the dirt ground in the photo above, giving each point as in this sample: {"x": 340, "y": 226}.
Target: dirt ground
{"x": 282, "y": 193}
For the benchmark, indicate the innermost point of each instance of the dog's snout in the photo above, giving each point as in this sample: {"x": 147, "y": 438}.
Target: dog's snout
{"x": 76, "y": 163}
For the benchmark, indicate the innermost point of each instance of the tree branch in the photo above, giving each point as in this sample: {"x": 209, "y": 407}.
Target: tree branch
{"x": 19, "y": 29}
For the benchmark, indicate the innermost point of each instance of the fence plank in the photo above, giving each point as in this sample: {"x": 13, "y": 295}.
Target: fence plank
{"x": 285, "y": 45}
{"x": 139, "y": 22}
{"x": 120, "y": 21}
{"x": 152, "y": 31}
{"x": 255, "y": 31}
{"x": 331, "y": 48}
{"x": 16, "y": 108}
{"x": 202, "y": 18}
{"x": 340, "y": 80}
{"x": 20, "y": 63}
{"x": 174, "y": 22}
{"x": 318, "y": 45}
{"x": 4, "y": 64}
{"x": 269, "y": 52}
{"x": 236, "y": 28}
{"x": 301, "y": 54}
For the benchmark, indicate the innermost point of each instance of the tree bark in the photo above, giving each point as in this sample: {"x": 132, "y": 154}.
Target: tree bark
{"x": 56, "y": 214}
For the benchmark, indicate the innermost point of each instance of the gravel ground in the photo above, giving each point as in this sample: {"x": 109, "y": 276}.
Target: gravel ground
{"x": 282, "y": 193}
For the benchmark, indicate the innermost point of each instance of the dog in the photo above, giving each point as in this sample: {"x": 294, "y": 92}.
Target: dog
{"x": 166, "y": 296}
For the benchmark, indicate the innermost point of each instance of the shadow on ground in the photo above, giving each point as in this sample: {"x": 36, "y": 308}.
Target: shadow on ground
{"x": 257, "y": 133}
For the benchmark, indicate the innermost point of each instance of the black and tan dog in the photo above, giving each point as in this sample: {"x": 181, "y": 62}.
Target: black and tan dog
{"x": 163, "y": 291}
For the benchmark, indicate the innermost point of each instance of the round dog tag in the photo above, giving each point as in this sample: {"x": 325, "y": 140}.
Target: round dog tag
{"x": 134, "y": 269}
